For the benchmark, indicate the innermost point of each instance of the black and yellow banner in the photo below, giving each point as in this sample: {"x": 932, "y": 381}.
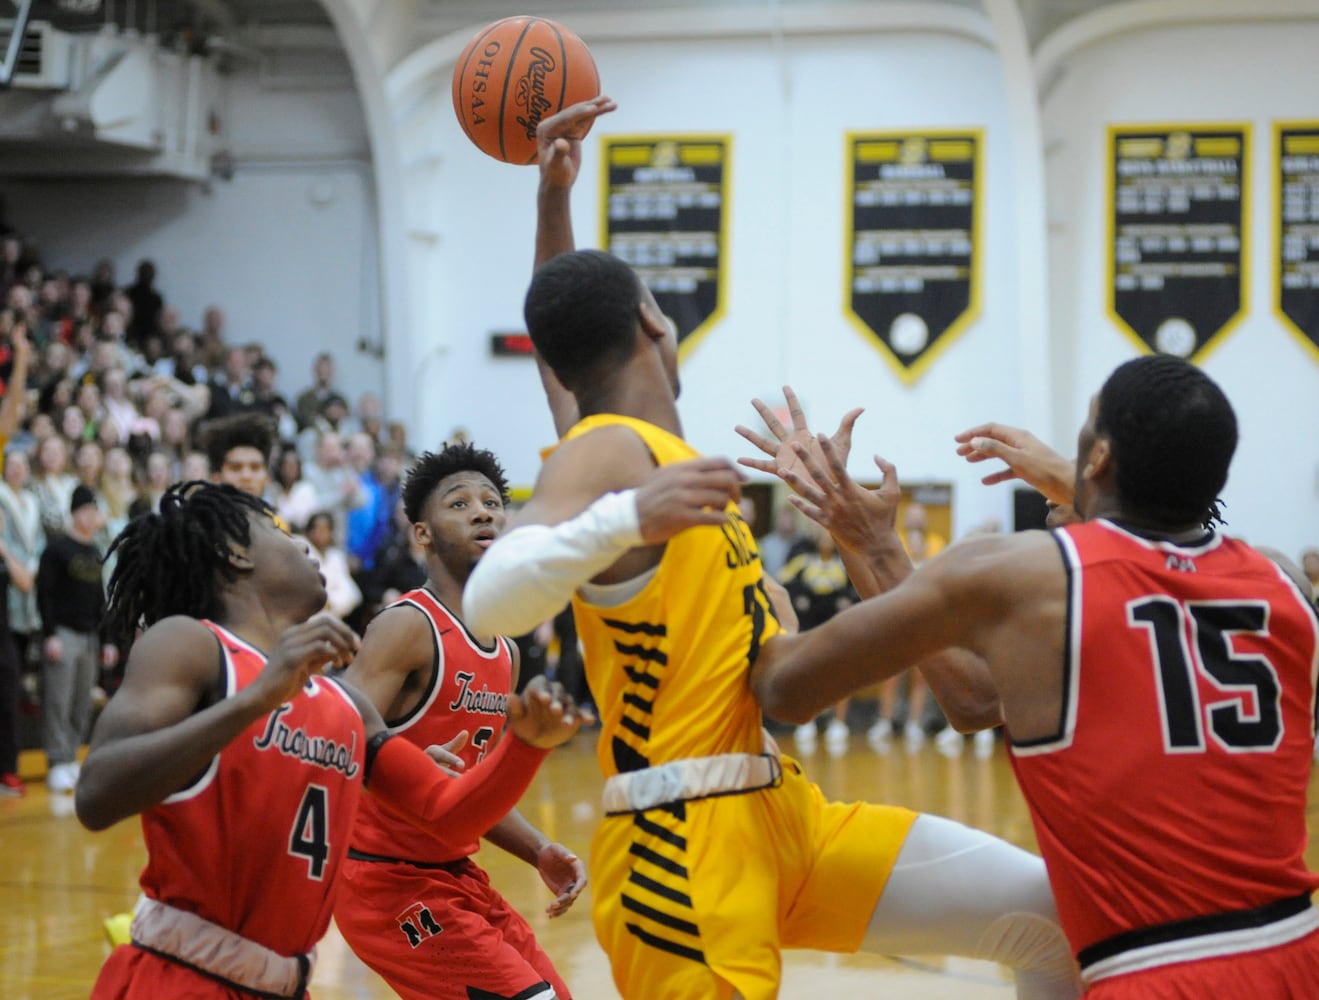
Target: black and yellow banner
{"x": 1178, "y": 204}
{"x": 1296, "y": 219}
{"x": 665, "y": 212}
{"x": 913, "y": 241}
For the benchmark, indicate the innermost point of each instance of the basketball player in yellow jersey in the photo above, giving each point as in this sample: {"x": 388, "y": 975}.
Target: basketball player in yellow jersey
{"x": 716, "y": 852}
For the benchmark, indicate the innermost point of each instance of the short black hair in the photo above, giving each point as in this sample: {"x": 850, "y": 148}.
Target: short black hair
{"x": 252, "y": 429}
{"x": 581, "y": 313}
{"x": 173, "y": 562}
{"x": 1173, "y": 434}
{"x": 431, "y": 469}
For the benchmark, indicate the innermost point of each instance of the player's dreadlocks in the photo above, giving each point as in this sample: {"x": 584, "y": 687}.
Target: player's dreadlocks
{"x": 168, "y": 562}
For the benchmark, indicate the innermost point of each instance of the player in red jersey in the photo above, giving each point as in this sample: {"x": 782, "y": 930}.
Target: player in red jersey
{"x": 433, "y": 680}
{"x": 247, "y": 766}
{"x": 1157, "y": 680}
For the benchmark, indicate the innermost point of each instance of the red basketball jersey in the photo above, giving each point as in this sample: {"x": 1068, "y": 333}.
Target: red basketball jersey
{"x": 254, "y": 843}
{"x": 469, "y": 689}
{"x": 1176, "y": 785}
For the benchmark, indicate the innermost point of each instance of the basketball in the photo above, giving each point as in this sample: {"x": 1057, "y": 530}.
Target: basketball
{"x": 513, "y": 74}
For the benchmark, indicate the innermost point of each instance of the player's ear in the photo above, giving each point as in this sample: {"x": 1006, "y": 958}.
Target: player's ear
{"x": 239, "y": 559}
{"x": 421, "y": 533}
{"x": 652, "y": 321}
{"x": 1100, "y": 458}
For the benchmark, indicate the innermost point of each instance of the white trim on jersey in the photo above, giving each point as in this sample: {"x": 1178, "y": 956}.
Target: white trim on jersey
{"x": 1211, "y": 542}
{"x": 1072, "y": 666}
{"x": 204, "y": 781}
{"x": 1204, "y": 946}
{"x": 500, "y": 646}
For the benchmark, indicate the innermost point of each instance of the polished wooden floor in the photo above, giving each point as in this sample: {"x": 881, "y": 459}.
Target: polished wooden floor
{"x": 58, "y": 882}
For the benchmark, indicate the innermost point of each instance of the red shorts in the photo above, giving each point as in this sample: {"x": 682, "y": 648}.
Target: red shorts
{"x": 1287, "y": 972}
{"x": 133, "y": 974}
{"x": 433, "y": 933}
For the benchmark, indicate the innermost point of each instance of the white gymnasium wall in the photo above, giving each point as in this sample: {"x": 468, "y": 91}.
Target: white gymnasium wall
{"x": 1224, "y": 72}
{"x": 288, "y": 246}
{"x": 788, "y": 109}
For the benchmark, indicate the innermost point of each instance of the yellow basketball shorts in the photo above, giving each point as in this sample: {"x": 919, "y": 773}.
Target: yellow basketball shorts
{"x": 697, "y": 900}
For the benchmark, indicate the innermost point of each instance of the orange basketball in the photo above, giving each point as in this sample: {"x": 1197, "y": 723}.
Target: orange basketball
{"x": 513, "y": 74}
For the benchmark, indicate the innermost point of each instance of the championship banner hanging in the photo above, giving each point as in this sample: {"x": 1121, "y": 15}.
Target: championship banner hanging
{"x": 913, "y": 241}
{"x": 665, "y": 212}
{"x": 1177, "y": 251}
{"x": 1296, "y": 218}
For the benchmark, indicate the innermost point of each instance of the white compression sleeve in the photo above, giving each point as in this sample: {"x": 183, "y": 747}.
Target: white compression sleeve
{"x": 528, "y": 575}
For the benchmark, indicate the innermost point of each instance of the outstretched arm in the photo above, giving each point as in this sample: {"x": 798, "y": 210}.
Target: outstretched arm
{"x": 599, "y": 507}
{"x": 408, "y": 781}
{"x": 863, "y": 524}
{"x": 559, "y": 153}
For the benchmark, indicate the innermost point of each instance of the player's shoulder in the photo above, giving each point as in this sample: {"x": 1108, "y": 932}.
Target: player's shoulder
{"x": 403, "y": 625}
{"x": 177, "y": 632}
{"x": 997, "y": 563}
{"x": 175, "y": 648}
{"x": 607, "y": 457}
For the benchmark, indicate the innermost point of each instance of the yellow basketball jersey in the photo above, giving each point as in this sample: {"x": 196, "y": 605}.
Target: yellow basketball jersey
{"x": 669, "y": 667}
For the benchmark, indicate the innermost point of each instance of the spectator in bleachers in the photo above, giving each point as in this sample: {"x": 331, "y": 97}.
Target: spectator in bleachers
{"x": 238, "y": 448}
{"x": 102, "y": 284}
{"x": 88, "y": 464}
{"x": 195, "y": 466}
{"x": 336, "y": 484}
{"x": 53, "y": 483}
{"x": 147, "y": 304}
{"x": 175, "y": 440}
{"x": 25, "y": 539}
{"x": 307, "y": 406}
{"x": 293, "y": 498}
{"x": 400, "y": 562}
{"x": 14, "y": 577}
{"x": 231, "y": 387}
{"x": 332, "y": 418}
{"x": 342, "y": 593}
{"x": 118, "y": 489}
{"x": 368, "y": 418}
{"x": 267, "y": 399}
{"x": 71, "y": 597}
{"x": 73, "y": 425}
{"x": 156, "y": 479}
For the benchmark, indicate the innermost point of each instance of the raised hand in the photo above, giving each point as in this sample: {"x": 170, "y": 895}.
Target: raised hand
{"x": 320, "y": 642}
{"x": 559, "y": 140}
{"x": 564, "y": 873}
{"x": 1028, "y": 459}
{"x": 686, "y": 495}
{"x": 544, "y": 714}
{"x": 859, "y": 519}
{"x": 782, "y": 450}
{"x": 446, "y": 755}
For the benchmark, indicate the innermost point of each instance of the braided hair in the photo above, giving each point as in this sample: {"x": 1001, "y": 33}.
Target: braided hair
{"x": 171, "y": 563}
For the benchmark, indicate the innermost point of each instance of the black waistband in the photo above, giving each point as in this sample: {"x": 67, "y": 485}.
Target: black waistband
{"x": 446, "y": 866}
{"x": 1177, "y": 930}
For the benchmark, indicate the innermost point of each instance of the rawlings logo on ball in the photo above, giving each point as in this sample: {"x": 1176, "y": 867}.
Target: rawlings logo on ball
{"x": 530, "y": 93}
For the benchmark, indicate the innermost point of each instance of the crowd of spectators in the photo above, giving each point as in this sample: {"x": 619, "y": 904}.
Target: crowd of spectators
{"x": 108, "y": 395}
